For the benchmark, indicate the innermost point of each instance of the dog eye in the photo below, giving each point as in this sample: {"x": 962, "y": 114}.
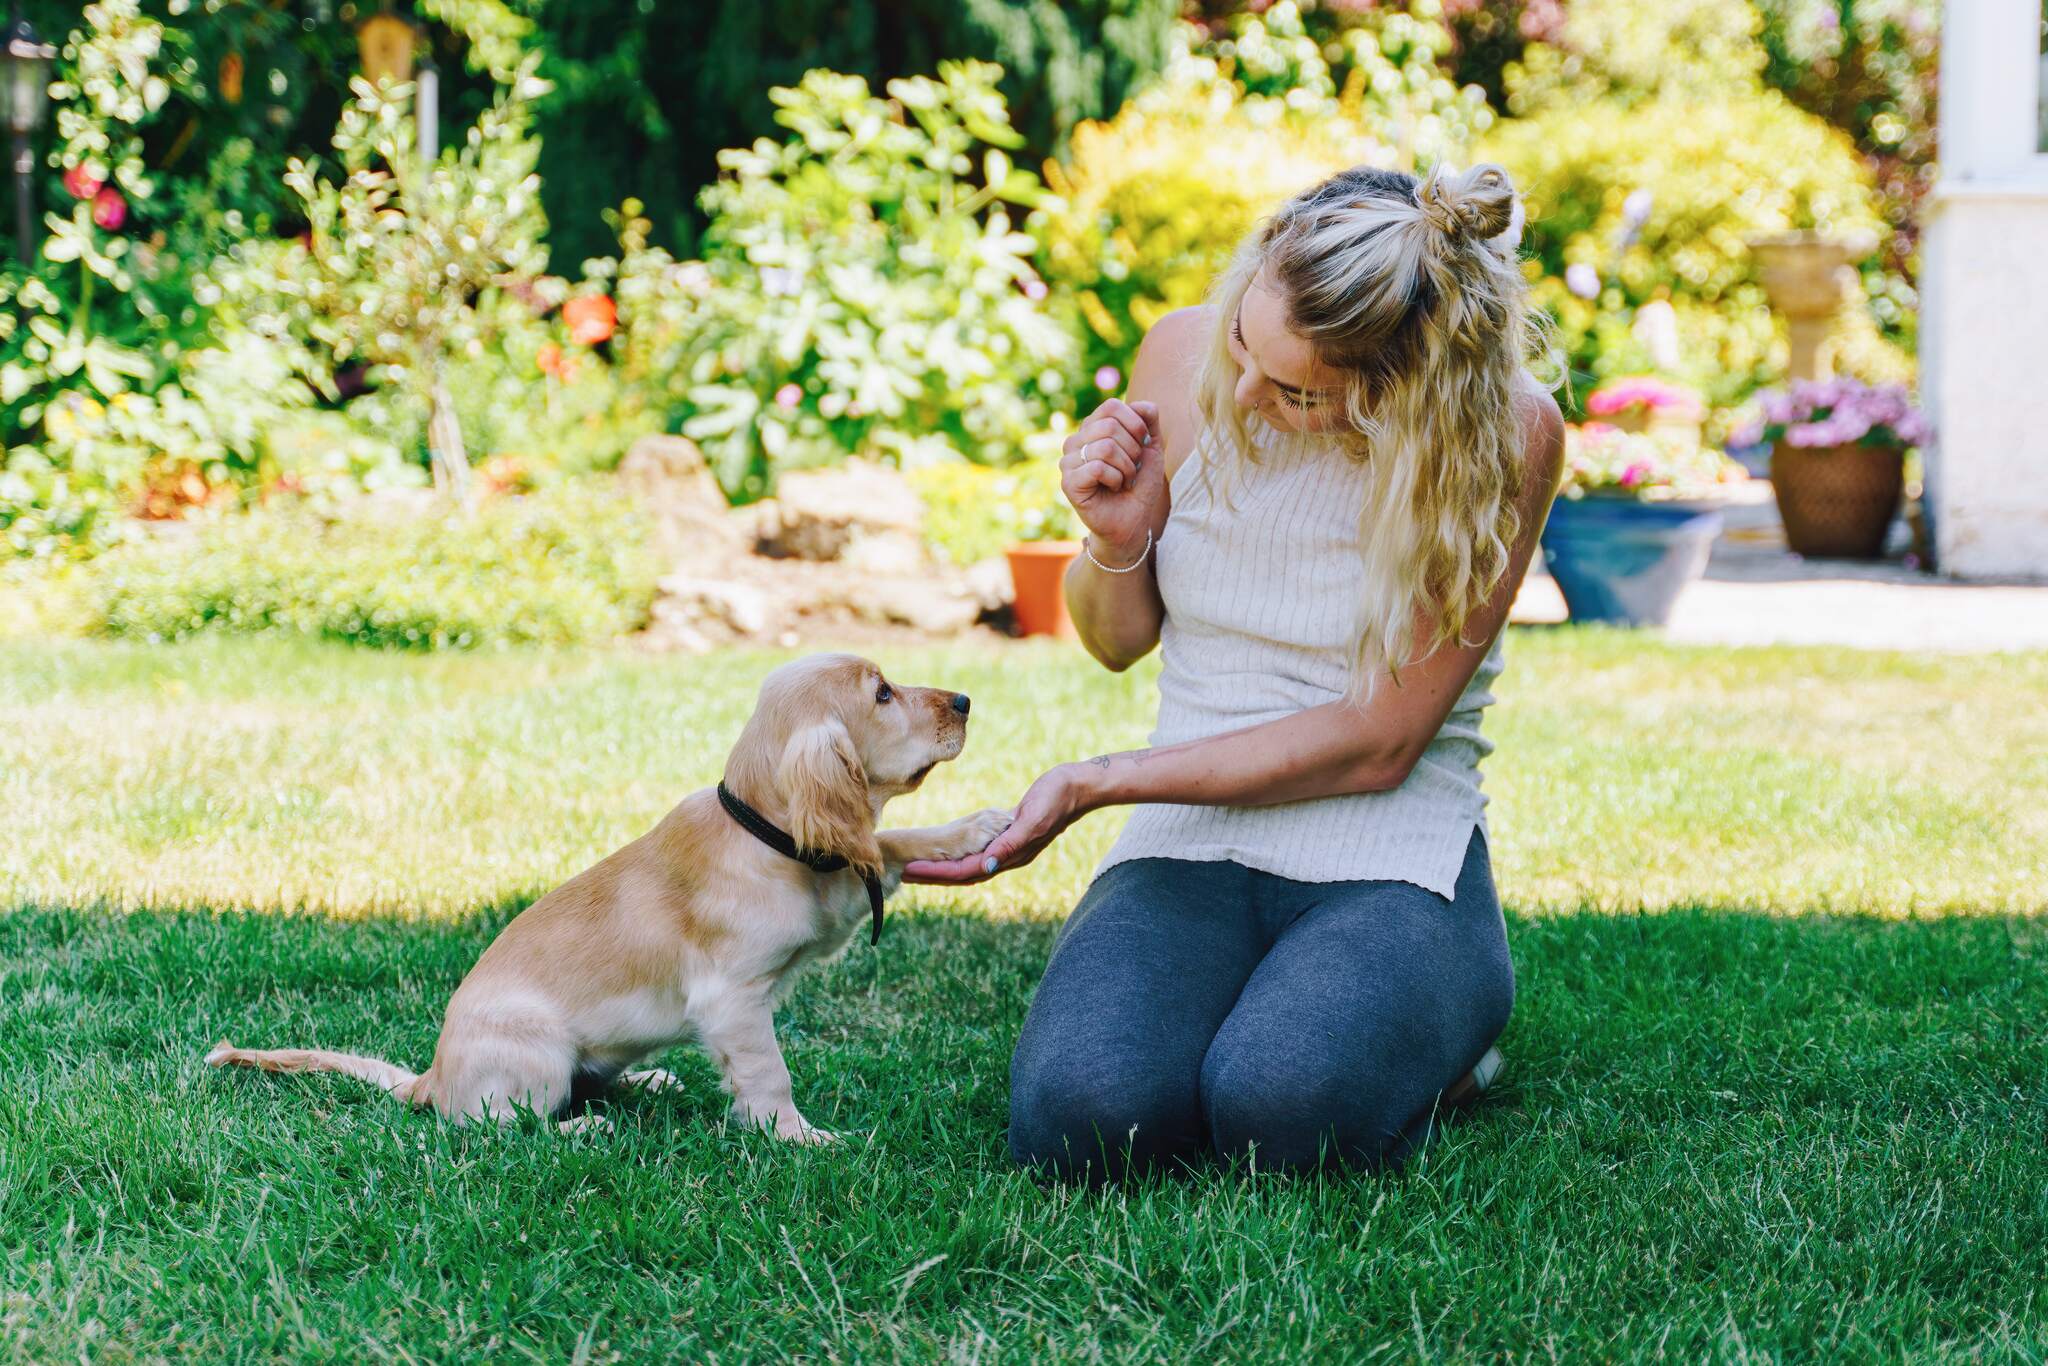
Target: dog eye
{"x": 882, "y": 693}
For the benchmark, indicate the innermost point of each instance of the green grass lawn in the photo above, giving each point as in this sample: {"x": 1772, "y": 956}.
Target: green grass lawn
{"x": 1775, "y": 1088}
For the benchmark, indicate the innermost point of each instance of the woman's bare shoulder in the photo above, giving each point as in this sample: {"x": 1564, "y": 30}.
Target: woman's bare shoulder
{"x": 1542, "y": 436}
{"x": 1167, "y": 371}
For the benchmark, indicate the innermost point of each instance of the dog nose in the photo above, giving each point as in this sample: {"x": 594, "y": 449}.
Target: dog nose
{"x": 960, "y": 703}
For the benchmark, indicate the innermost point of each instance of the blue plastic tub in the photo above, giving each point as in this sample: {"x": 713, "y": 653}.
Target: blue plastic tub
{"x": 1625, "y": 562}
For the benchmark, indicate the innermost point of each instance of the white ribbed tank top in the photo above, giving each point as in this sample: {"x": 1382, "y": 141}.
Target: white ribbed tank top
{"x": 1261, "y": 594}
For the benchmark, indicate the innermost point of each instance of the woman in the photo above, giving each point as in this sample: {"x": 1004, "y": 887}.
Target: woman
{"x": 1318, "y": 502}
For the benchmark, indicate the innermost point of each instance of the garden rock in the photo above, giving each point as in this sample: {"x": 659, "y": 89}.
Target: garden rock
{"x": 839, "y": 551}
{"x": 922, "y": 604}
{"x": 887, "y": 554}
{"x": 817, "y": 514}
{"x": 738, "y": 608}
{"x": 988, "y": 581}
{"x": 669, "y": 477}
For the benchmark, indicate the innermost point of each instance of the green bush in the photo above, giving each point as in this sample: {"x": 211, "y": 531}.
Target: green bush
{"x": 867, "y": 291}
{"x": 972, "y": 512}
{"x": 1869, "y": 67}
{"x": 569, "y": 566}
{"x": 1152, "y": 202}
{"x": 1703, "y": 175}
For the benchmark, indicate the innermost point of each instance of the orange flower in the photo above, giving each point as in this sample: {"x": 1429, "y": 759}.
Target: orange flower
{"x": 554, "y": 361}
{"x": 592, "y": 318}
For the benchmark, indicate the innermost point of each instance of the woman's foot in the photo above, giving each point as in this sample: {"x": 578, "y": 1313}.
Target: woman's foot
{"x": 1474, "y": 1084}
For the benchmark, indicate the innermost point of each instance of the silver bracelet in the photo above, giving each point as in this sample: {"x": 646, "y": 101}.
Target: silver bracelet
{"x": 1087, "y": 550}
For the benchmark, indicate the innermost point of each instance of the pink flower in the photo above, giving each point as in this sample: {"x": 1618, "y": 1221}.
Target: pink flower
{"x": 1635, "y": 473}
{"x": 81, "y": 183}
{"x": 1646, "y": 391}
{"x": 1107, "y": 378}
{"x": 788, "y": 396}
{"x": 109, "y": 210}
{"x": 1035, "y": 290}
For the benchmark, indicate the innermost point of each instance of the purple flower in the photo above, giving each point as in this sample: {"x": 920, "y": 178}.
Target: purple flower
{"x": 1107, "y": 378}
{"x": 1582, "y": 280}
{"x": 1836, "y": 412}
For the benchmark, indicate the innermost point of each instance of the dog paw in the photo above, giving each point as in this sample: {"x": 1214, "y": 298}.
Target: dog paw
{"x": 794, "y": 1128}
{"x": 971, "y": 834}
{"x": 804, "y": 1133}
{"x": 223, "y": 1053}
{"x": 587, "y": 1124}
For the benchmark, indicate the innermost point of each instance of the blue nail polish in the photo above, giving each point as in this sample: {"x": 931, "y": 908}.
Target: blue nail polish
{"x": 988, "y": 865}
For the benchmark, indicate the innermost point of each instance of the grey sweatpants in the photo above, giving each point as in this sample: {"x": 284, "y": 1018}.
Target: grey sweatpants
{"x": 1195, "y": 1008}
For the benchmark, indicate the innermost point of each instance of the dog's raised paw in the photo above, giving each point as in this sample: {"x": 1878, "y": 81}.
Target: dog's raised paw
{"x": 972, "y": 834}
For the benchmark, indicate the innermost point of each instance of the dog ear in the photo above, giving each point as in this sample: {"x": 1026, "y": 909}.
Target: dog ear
{"x": 825, "y": 790}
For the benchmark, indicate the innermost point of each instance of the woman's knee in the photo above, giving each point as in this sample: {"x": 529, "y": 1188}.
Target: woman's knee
{"x": 1299, "y": 1112}
{"x": 1100, "y": 1120}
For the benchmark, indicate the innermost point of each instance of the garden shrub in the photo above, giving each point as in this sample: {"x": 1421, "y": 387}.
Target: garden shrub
{"x": 1702, "y": 176}
{"x": 572, "y": 565}
{"x": 205, "y": 437}
{"x": 1868, "y": 67}
{"x": 1153, "y": 201}
{"x": 867, "y": 290}
{"x": 973, "y": 512}
{"x": 405, "y": 261}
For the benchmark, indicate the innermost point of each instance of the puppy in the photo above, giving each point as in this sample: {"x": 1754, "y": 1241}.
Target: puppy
{"x": 697, "y": 929}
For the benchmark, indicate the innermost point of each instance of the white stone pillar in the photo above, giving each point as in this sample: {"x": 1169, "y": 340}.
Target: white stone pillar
{"x": 1984, "y": 296}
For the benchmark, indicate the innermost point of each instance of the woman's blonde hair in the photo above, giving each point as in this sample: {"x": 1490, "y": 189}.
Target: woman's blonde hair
{"x": 1411, "y": 292}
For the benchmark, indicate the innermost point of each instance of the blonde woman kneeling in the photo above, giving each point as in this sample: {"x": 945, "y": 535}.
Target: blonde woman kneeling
{"x": 1318, "y": 503}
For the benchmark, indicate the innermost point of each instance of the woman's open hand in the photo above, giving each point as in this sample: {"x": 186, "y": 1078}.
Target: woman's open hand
{"x": 1114, "y": 473}
{"x": 1054, "y": 802}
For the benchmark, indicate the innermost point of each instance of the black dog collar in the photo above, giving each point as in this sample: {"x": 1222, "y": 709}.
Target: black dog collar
{"x": 758, "y": 825}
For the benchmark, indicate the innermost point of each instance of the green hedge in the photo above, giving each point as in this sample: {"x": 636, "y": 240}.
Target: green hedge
{"x": 572, "y": 565}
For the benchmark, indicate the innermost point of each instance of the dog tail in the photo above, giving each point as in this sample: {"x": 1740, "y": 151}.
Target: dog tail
{"x": 390, "y": 1077}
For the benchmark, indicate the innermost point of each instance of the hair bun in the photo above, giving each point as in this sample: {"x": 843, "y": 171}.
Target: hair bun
{"x": 1479, "y": 203}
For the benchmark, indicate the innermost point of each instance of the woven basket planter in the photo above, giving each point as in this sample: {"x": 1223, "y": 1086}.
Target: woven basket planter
{"x": 1837, "y": 502}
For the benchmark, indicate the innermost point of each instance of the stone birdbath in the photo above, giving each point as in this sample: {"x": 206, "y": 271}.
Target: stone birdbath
{"x": 1807, "y": 275}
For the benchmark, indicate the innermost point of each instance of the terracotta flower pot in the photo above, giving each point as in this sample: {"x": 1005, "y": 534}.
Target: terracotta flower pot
{"x": 1837, "y": 502}
{"x": 1038, "y": 569}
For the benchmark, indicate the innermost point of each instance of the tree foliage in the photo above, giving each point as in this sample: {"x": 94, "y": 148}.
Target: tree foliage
{"x": 646, "y": 95}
